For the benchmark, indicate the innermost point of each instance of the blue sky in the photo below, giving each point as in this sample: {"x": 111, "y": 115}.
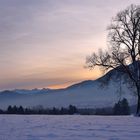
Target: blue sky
{"x": 43, "y": 43}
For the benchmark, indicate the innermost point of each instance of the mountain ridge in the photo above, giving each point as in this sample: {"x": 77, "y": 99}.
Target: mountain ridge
{"x": 101, "y": 92}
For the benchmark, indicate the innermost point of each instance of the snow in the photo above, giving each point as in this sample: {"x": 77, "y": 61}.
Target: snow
{"x": 75, "y": 127}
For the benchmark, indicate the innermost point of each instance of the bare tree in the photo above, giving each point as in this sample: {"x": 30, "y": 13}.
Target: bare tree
{"x": 124, "y": 50}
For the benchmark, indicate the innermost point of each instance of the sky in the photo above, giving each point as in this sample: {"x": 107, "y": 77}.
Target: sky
{"x": 44, "y": 43}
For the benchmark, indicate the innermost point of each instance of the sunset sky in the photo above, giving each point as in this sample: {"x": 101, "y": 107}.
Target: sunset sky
{"x": 44, "y": 43}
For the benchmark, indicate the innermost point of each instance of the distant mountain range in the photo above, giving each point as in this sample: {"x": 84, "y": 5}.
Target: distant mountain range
{"x": 103, "y": 92}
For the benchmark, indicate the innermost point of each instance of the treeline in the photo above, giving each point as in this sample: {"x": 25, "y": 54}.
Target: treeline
{"x": 40, "y": 110}
{"x": 120, "y": 108}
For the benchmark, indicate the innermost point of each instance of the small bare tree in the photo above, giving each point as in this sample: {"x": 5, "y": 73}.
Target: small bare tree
{"x": 124, "y": 50}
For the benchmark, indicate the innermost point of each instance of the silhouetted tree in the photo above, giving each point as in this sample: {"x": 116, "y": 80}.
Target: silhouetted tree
{"x": 55, "y": 111}
{"x": 117, "y": 109}
{"x": 9, "y": 109}
{"x": 125, "y": 107}
{"x": 72, "y": 109}
{"x": 121, "y": 108}
{"x": 20, "y": 110}
{"x": 15, "y": 109}
{"x": 124, "y": 37}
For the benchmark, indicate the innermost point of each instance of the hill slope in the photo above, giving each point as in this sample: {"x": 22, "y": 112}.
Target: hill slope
{"x": 102, "y": 92}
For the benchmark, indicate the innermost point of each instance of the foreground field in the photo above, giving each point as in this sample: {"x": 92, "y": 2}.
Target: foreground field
{"x": 37, "y": 127}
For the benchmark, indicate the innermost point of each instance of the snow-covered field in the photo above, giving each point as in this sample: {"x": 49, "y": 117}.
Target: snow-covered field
{"x": 76, "y": 127}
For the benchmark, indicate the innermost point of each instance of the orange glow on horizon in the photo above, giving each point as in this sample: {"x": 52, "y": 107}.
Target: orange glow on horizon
{"x": 60, "y": 86}
{"x": 84, "y": 75}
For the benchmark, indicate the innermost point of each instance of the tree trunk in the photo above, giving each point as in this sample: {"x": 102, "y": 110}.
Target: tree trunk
{"x": 138, "y": 106}
{"x": 138, "y": 100}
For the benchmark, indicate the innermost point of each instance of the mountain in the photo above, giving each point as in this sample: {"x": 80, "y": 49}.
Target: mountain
{"x": 32, "y": 91}
{"x": 103, "y": 92}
